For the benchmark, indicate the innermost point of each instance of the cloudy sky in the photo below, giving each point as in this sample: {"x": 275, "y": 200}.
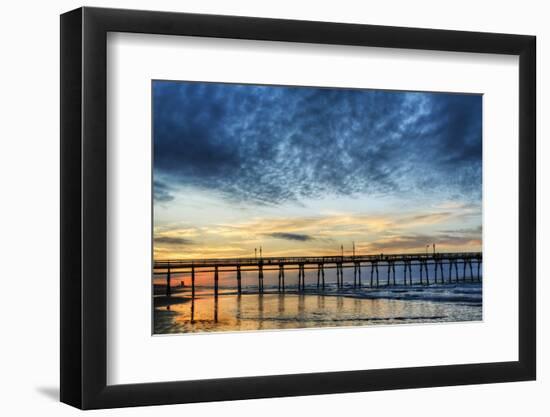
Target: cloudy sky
{"x": 302, "y": 171}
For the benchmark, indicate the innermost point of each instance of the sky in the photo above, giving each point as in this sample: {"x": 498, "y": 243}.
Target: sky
{"x": 303, "y": 171}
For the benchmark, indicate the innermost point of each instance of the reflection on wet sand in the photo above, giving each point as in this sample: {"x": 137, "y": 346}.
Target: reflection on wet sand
{"x": 233, "y": 312}
{"x": 216, "y": 308}
{"x": 239, "y": 309}
{"x": 260, "y": 311}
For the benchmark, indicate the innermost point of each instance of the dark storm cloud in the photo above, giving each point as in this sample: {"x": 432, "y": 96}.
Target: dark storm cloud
{"x": 275, "y": 144}
{"x": 471, "y": 231}
{"x": 170, "y": 240}
{"x": 161, "y": 192}
{"x": 420, "y": 241}
{"x": 291, "y": 236}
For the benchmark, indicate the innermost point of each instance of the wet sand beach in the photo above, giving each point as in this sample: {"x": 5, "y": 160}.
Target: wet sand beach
{"x": 310, "y": 309}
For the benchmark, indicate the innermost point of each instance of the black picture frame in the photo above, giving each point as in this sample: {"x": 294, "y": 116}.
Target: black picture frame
{"x": 84, "y": 207}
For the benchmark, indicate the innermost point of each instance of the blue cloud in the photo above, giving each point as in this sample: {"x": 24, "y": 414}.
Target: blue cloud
{"x": 170, "y": 240}
{"x": 162, "y": 192}
{"x": 291, "y": 236}
{"x": 272, "y": 144}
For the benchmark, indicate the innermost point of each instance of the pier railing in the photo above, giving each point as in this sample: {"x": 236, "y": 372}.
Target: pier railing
{"x": 295, "y": 260}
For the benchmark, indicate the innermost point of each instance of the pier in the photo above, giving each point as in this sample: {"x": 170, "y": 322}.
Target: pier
{"x": 433, "y": 268}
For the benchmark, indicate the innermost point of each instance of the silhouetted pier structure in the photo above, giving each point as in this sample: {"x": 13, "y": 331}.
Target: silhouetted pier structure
{"x": 436, "y": 262}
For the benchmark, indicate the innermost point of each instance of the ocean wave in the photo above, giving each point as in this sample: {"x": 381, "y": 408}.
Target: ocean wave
{"x": 466, "y": 293}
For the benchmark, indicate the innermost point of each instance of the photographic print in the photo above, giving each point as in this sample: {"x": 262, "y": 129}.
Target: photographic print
{"x": 285, "y": 207}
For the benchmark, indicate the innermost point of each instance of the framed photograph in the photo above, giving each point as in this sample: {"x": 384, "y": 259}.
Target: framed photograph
{"x": 256, "y": 208}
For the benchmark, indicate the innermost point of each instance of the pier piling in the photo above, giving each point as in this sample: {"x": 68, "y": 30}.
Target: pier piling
{"x": 168, "y": 287}
{"x": 371, "y": 272}
{"x": 261, "y": 277}
{"x": 427, "y": 273}
{"x": 339, "y": 275}
{"x": 216, "y": 278}
{"x": 239, "y": 279}
{"x": 451, "y": 264}
{"x": 193, "y": 283}
{"x": 301, "y": 278}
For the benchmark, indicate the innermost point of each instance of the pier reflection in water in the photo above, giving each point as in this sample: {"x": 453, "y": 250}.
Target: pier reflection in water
{"x": 230, "y": 311}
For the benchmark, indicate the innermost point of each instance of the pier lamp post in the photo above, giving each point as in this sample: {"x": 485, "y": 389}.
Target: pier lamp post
{"x": 427, "y": 246}
{"x": 255, "y": 253}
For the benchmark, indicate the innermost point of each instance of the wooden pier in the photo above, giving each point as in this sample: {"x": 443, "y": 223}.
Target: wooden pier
{"x": 424, "y": 263}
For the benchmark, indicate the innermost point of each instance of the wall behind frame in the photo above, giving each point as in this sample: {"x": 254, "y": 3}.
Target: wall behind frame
{"x": 29, "y": 180}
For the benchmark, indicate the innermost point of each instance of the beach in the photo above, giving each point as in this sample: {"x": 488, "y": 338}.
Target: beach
{"x": 331, "y": 307}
